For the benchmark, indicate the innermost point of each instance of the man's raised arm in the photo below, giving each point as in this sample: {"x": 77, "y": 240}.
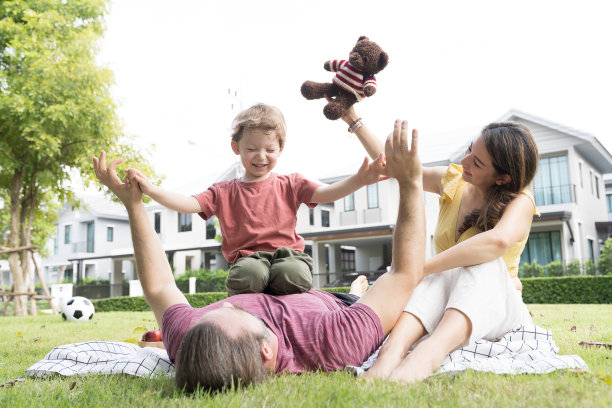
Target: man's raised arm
{"x": 391, "y": 292}
{"x": 154, "y": 271}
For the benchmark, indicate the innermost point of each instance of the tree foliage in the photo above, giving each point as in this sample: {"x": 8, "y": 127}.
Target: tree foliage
{"x": 56, "y": 113}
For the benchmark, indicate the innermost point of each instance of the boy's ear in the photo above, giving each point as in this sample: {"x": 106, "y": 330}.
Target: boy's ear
{"x": 235, "y": 147}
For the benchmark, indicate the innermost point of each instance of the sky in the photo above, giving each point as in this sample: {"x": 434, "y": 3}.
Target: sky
{"x": 454, "y": 66}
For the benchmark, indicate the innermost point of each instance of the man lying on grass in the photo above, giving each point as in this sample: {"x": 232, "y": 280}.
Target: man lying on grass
{"x": 241, "y": 340}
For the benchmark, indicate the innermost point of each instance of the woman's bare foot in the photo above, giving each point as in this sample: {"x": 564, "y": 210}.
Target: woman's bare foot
{"x": 359, "y": 286}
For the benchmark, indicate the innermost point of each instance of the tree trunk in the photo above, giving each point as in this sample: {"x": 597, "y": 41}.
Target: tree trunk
{"x": 13, "y": 242}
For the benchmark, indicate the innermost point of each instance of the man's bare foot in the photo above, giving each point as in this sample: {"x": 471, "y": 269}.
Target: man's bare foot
{"x": 359, "y": 286}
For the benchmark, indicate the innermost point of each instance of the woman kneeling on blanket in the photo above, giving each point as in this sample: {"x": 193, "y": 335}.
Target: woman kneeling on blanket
{"x": 471, "y": 290}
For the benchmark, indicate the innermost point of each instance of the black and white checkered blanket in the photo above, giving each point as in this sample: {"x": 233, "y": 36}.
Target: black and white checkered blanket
{"x": 528, "y": 349}
{"x": 103, "y": 357}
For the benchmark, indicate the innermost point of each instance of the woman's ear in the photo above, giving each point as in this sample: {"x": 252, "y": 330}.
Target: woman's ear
{"x": 503, "y": 179}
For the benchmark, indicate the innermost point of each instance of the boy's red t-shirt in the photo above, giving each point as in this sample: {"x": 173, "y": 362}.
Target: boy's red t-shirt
{"x": 257, "y": 216}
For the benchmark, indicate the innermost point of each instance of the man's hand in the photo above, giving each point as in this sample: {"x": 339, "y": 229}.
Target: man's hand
{"x": 403, "y": 161}
{"x": 370, "y": 173}
{"x": 128, "y": 193}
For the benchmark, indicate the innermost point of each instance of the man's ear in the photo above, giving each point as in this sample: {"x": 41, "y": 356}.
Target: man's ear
{"x": 503, "y": 179}
{"x": 235, "y": 147}
{"x": 267, "y": 353}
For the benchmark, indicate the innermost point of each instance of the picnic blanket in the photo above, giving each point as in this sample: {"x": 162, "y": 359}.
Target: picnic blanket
{"x": 103, "y": 357}
{"x": 528, "y": 349}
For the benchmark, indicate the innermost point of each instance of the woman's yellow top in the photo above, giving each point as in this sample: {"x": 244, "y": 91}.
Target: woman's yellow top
{"x": 453, "y": 186}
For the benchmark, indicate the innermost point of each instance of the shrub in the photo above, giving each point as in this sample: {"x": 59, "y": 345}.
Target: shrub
{"x": 533, "y": 269}
{"x": 589, "y": 267}
{"x": 573, "y": 268}
{"x": 554, "y": 268}
{"x": 568, "y": 289}
{"x": 206, "y": 281}
{"x": 604, "y": 263}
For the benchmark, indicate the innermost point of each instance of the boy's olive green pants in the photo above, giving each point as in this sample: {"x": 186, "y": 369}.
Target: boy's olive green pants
{"x": 277, "y": 273}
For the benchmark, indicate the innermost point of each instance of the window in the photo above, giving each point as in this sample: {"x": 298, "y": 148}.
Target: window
{"x": 347, "y": 260}
{"x": 597, "y": 186}
{"x": 188, "y": 262}
{"x": 67, "y": 231}
{"x": 157, "y": 216}
{"x": 551, "y": 183}
{"x": 56, "y": 242}
{"x": 373, "y": 195}
{"x": 110, "y": 232}
{"x": 184, "y": 222}
{"x": 580, "y": 171}
{"x": 211, "y": 229}
{"x": 609, "y": 202}
{"x": 542, "y": 247}
{"x": 591, "y": 249}
{"x": 311, "y": 216}
{"x": 591, "y": 178}
{"x": 90, "y": 237}
{"x": 90, "y": 271}
{"x": 349, "y": 202}
{"x": 324, "y": 218}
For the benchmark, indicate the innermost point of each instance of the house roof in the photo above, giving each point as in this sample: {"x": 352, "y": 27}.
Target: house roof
{"x": 434, "y": 149}
{"x": 101, "y": 206}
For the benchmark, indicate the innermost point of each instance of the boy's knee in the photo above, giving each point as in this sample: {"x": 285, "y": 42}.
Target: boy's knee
{"x": 289, "y": 276}
{"x": 248, "y": 275}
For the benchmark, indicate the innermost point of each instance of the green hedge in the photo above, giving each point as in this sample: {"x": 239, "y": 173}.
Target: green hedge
{"x": 138, "y": 303}
{"x": 564, "y": 289}
{"x": 568, "y": 289}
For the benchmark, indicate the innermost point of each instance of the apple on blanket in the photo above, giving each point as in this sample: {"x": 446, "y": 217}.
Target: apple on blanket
{"x": 152, "y": 338}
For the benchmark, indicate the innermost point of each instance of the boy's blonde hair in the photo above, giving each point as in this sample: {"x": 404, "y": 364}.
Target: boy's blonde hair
{"x": 260, "y": 116}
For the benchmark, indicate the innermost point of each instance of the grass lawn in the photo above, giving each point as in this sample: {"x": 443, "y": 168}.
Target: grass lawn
{"x": 24, "y": 341}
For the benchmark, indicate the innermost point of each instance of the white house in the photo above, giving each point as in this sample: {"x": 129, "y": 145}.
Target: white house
{"x": 89, "y": 241}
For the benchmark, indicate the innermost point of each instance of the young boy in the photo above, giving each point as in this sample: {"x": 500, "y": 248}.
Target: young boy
{"x": 257, "y": 213}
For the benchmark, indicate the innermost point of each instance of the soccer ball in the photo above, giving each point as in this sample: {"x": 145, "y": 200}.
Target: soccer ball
{"x": 77, "y": 309}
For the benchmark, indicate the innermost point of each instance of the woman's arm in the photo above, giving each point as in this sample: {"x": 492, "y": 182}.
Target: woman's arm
{"x": 513, "y": 226}
{"x": 432, "y": 176}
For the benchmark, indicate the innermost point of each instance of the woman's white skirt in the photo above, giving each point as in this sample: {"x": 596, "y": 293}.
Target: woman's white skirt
{"x": 484, "y": 293}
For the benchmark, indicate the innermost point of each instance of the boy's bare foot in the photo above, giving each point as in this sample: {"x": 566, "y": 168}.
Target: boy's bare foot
{"x": 359, "y": 286}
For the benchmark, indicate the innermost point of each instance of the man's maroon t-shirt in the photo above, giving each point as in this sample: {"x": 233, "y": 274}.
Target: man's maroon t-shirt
{"x": 314, "y": 329}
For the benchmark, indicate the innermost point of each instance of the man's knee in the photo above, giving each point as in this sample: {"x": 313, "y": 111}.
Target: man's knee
{"x": 248, "y": 275}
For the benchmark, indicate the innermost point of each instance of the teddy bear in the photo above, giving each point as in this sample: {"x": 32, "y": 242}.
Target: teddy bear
{"x": 354, "y": 78}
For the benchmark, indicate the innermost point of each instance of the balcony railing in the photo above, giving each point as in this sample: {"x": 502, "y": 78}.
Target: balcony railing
{"x": 555, "y": 194}
{"x": 368, "y": 216}
{"x": 83, "y": 246}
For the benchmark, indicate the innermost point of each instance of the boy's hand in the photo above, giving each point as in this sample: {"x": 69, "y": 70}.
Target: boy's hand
{"x": 128, "y": 193}
{"x": 136, "y": 177}
{"x": 403, "y": 161}
{"x": 370, "y": 173}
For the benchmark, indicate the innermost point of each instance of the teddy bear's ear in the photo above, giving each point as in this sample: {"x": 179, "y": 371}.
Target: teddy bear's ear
{"x": 383, "y": 60}
{"x": 363, "y": 37}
